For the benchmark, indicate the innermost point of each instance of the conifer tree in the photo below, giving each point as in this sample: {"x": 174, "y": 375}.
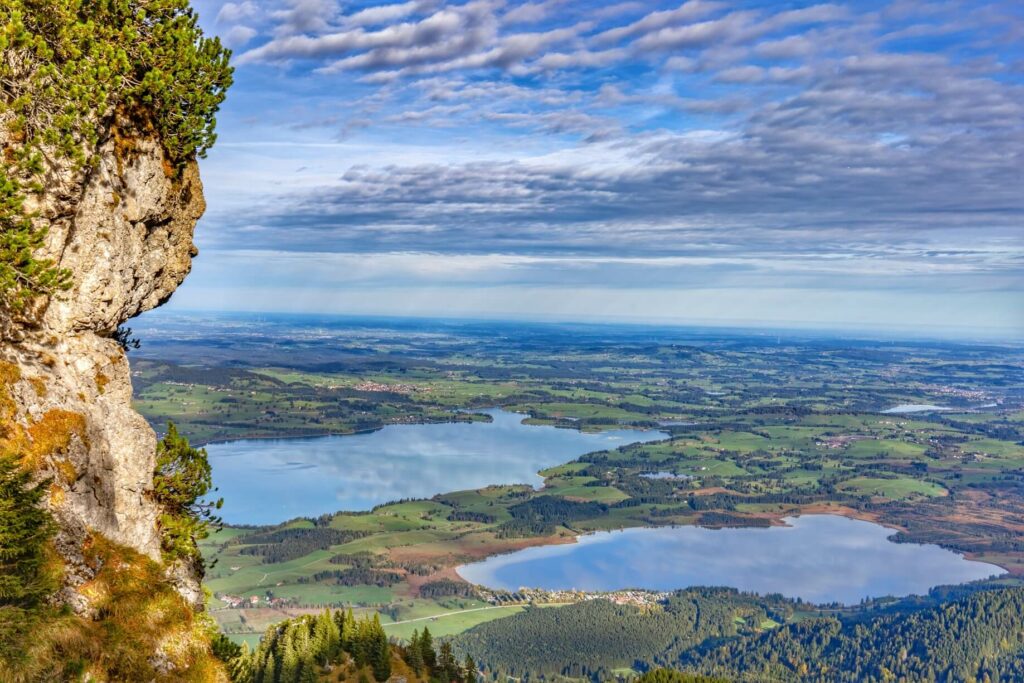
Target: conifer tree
{"x": 182, "y": 478}
{"x": 348, "y": 630}
{"x": 269, "y": 670}
{"x": 308, "y": 673}
{"x": 326, "y": 638}
{"x": 414, "y": 654}
{"x": 381, "y": 660}
{"x": 427, "y": 650}
{"x": 447, "y": 667}
{"x": 469, "y": 670}
{"x": 27, "y": 575}
{"x": 25, "y": 531}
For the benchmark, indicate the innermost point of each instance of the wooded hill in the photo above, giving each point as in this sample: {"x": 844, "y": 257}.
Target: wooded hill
{"x": 730, "y": 635}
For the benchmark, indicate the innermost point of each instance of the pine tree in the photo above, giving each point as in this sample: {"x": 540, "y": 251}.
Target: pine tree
{"x": 447, "y": 667}
{"x": 362, "y": 645}
{"x": 381, "y": 660}
{"x": 289, "y": 663}
{"x": 269, "y": 670}
{"x": 339, "y": 620}
{"x": 243, "y": 667}
{"x": 181, "y": 480}
{"x": 469, "y": 670}
{"x": 414, "y": 654}
{"x": 348, "y": 630}
{"x": 427, "y": 650}
{"x": 25, "y": 531}
{"x": 326, "y": 639}
{"x": 309, "y": 672}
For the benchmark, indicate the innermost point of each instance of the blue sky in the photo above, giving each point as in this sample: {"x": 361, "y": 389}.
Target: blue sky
{"x": 856, "y": 165}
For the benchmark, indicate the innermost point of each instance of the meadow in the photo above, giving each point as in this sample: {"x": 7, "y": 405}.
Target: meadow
{"x": 760, "y": 429}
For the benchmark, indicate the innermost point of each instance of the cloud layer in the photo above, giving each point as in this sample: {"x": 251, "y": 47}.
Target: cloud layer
{"x": 851, "y": 140}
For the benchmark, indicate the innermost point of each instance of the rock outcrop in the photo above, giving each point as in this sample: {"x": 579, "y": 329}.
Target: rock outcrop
{"x": 123, "y": 228}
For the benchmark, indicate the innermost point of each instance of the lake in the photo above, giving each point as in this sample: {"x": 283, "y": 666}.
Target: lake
{"x": 905, "y": 408}
{"x": 820, "y": 558}
{"x": 264, "y": 481}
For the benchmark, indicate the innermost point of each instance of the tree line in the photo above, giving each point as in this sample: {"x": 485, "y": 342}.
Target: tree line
{"x": 974, "y": 635}
{"x": 311, "y": 648}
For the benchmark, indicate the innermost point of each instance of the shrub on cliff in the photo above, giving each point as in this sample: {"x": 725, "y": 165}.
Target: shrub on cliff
{"x": 70, "y": 71}
{"x": 182, "y": 479}
{"x": 25, "y": 532}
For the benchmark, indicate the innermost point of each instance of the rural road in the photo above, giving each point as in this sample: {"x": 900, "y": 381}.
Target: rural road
{"x": 444, "y": 614}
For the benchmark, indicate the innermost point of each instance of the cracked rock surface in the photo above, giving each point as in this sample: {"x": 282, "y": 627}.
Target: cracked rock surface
{"x": 124, "y": 229}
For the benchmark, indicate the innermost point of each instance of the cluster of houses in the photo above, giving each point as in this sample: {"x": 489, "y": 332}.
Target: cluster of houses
{"x": 539, "y": 596}
{"x": 252, "y": 601}
{"x": 969, "y": 394}
{"x": 378, "y": 387}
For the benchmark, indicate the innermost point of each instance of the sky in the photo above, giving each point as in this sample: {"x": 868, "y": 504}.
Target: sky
{"x": 842, "y": 165}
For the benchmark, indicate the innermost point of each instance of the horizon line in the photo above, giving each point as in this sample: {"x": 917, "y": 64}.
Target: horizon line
{"x": 855, "y": 332}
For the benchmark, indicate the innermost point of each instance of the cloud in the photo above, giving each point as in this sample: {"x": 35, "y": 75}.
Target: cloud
{"x": 233, "y": 12}
{"x": 305, "y": 16}
{"x": 655, "y": 21}
{"x": 441, "y": 34}
{"x": 532, "y": 12}
{"x": 238, "y": 35}
{"x": 879, "y": 140}
{"x": 372, "y": 16}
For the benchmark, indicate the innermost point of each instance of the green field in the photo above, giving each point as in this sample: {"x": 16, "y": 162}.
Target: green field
{"x": 757, "y": 429}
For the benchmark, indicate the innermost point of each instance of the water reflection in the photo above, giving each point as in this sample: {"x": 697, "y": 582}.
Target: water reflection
{"x": 266, "y": 481}
{"x": 820, "y": 558}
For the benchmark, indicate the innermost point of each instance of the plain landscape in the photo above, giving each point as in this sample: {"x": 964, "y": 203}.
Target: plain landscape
{"x": 734, "y": 432}
{"x": 643, "y": 341}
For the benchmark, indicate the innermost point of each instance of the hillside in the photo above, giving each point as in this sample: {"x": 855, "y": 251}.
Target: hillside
{"x": 724, "y": 634}
{"x": 103, "y": 112}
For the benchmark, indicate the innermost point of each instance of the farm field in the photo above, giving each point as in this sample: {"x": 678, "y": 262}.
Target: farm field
{"x": 757, "y": 431}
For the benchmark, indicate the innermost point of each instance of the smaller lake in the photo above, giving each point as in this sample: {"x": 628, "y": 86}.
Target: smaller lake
{"x": 820, "y": 558}
{"x": 915, "y": 408}
{"x": 265, "y": 481}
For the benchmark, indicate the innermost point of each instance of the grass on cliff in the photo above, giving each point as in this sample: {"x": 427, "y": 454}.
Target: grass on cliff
{"x": 139, "y": 628}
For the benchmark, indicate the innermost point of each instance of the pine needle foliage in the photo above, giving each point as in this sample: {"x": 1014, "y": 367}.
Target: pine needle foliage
{"x": 28, "y": 570}
{"x": 336, "y": 646}
{"x": 69, "y": 71}
{"x": 182, "y": 479}
{"x": 25, "y": 532}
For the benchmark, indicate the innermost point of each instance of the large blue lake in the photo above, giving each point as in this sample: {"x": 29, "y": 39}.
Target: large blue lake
{"x": 269, "y": 481}
{"x": 820, "y": 558}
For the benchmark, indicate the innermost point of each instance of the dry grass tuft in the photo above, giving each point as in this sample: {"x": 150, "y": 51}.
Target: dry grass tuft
{"x": 143, "y": 629}
{"x": 9, "y": 375}
{"x": 139, "y": 613}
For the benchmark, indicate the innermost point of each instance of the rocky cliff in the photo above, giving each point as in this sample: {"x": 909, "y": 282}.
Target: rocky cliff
{"x": 104, "y": 109}
{"x": 123, "y": 228}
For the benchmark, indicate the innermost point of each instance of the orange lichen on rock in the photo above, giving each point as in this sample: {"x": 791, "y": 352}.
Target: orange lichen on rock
{"x": 39, "y": 385}
{"x": 9, "y": 375}
{"x": 52, "y": 435}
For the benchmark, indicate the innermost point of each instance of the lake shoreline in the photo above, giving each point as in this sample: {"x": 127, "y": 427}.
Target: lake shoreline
{"x": 785, "y": 520}
{"x": 319, "y": 434}
{"x": 267, "y": 481}
{"x": 775, "y": 520}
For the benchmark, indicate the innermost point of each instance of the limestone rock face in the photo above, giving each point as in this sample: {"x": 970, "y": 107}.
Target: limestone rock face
{"x": 124, "y": 229}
